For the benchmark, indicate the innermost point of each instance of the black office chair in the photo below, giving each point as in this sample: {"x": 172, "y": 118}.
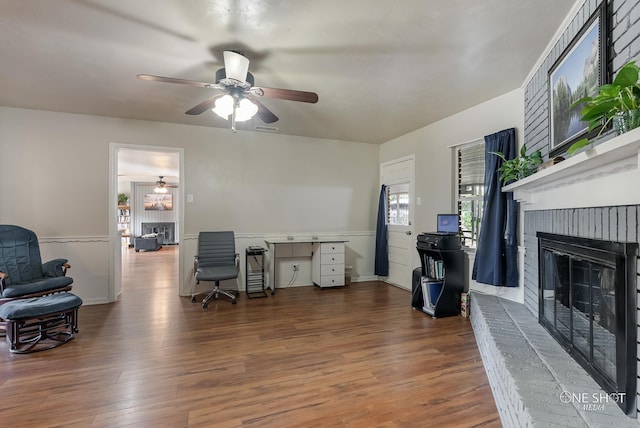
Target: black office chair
{"x": 216, "y": 261}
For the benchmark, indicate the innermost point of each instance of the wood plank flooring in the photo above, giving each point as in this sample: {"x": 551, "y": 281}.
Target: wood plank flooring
{"x": 351, "y": 357}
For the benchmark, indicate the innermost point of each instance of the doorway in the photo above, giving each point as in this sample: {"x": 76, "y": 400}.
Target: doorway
{"x": 135, "y": 171}
{"x": 398, "y": 176}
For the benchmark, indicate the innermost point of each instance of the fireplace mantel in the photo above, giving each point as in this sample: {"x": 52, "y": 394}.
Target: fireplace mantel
{"x": 604, "y": 175}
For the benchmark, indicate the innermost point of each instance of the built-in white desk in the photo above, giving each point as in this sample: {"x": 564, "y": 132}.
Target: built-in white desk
{"x": 327, "y": 259}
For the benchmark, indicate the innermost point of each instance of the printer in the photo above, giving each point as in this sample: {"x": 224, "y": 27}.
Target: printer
{"x": 438, "y": 241}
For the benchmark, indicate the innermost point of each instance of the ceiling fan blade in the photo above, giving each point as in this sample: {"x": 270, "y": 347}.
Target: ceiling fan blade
{"x": 204, "y": 106}
{"x": 264, "y": 113}
{"x": 288, "y": 94}
{"x": 162, "y": 79}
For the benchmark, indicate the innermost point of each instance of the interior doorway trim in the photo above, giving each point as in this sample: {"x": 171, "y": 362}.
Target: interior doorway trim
{"x": 115, "y": 277}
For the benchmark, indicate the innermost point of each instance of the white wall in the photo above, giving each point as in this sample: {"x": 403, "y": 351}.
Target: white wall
{"x": 54, "y": 180}
{"x": 435, "y": 159}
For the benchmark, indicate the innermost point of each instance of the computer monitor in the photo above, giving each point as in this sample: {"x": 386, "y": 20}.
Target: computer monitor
{"x": 447, "y": 223}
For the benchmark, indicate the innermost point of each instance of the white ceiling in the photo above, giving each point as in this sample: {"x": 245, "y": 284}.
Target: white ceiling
{"x": 381, "y": 68}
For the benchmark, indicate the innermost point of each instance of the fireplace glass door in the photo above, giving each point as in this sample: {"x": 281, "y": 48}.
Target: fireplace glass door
{"x": 586, "y": 301}
{"x": 578, "y": 305}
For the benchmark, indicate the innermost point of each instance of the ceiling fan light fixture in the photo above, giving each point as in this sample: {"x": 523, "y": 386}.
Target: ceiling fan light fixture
{"x": 224, "y": 106}
{"x": 160, "y": 186}
{"x": 237, "y": 83}
{"x": 236, "y": 66}
{"x": 246, "y": 110}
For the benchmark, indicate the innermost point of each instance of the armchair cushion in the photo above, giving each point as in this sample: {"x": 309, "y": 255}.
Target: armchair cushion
{"x": 37, "y": 286}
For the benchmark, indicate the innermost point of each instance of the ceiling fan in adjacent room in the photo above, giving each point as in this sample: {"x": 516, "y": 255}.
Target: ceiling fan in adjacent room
{"x": 238, "y": 98}
{"x": 161, "y": 185}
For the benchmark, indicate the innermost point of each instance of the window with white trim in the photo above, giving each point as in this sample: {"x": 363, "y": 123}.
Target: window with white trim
{"x": 470, "y": 161}
{"x": 398, "y": 204}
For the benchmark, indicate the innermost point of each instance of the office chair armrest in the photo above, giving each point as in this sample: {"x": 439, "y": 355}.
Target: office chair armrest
{"x": 195, "y": 265}
{"x": 3, "y": 277}
{"x": 238, "y": 260}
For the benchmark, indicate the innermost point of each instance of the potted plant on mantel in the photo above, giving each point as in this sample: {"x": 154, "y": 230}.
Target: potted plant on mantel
{"x": 520, "y": 167}
{"x": 617, "y": 102}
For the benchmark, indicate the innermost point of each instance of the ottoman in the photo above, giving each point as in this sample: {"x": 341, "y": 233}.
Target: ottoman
{"x": 40, "y": 323}
{"x": 153, "y": 243}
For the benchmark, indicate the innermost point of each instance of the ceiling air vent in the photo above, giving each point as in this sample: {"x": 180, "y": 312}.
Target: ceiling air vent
{"x": 263, "y": 128}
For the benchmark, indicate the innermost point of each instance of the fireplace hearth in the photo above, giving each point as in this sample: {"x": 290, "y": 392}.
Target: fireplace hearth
{"x": 587, "y": 302}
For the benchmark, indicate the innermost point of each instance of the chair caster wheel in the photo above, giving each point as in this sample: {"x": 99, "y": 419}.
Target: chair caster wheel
{"x": 193, "y": 299}
{"x": 234, "y": 301}
{"x": 204, "y": 305}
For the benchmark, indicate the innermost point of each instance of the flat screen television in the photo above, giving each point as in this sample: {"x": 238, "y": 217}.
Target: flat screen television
{"x": 447, "y": 223}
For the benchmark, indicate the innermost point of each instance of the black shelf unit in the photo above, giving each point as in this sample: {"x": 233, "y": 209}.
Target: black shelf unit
{"x": 254, "y": 272}
{"x": 438, "y": 265}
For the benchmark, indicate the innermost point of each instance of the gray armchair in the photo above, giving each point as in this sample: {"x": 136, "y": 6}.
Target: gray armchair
{"x": 216, "y": 261}
{"x": 22, "y": 273}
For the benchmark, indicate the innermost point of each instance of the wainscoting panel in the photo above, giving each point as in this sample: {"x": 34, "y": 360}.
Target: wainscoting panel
{"x": 89, "y": 260}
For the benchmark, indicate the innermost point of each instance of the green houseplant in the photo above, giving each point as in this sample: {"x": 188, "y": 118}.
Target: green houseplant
{"x": 122, "y": 199}
{"x": 519, "y": 167}
{"x": 617, "y": 102}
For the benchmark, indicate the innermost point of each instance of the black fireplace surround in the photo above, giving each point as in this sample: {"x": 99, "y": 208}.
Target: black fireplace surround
{"x": 587, "y": 302}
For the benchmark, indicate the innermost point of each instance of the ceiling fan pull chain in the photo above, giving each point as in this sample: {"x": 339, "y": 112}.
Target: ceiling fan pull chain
{"x": 233, "y": 119}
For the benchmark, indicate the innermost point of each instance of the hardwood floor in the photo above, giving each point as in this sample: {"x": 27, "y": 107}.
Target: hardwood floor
{"x": 351, "y": 357}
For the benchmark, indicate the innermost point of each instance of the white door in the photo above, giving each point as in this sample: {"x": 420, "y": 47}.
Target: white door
{"x": 398, "y": 176}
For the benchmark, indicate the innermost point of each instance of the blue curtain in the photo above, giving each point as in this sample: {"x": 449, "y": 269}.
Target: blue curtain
{"x": 496, "y": 261}
{"x": 381, "y": 267}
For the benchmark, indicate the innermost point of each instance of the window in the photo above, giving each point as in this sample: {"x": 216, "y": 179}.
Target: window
{"x": 470, "y": 191}
{"x": 398, "y": 204}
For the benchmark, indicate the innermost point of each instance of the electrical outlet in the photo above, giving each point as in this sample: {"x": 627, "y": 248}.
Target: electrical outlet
{"x": 296, "y": 267}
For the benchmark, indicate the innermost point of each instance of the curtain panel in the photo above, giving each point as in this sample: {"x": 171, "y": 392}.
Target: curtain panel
{"x": 381, "y": 267}
{"x": 496, "y": 261}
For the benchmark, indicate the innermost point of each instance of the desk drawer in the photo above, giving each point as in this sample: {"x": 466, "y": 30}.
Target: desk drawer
{"x": 335, "y": 258}
{"x": 332, "y": 247}
{"x": 332, "y": 269}
{"x": 332, "y": 281}
{"x": 292, "y": 250}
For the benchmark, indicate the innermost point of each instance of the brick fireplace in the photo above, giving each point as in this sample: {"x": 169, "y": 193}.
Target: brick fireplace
{"x": 592, "y": 195}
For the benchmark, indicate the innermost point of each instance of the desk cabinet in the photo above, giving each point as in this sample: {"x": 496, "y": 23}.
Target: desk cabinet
{"x": 443, "y": 268}
{"x": 327, "y": 264}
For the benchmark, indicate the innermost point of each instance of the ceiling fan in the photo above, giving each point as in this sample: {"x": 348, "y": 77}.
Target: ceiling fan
{"x": 238, "y": 99}
{"x": 161, "y": 185}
